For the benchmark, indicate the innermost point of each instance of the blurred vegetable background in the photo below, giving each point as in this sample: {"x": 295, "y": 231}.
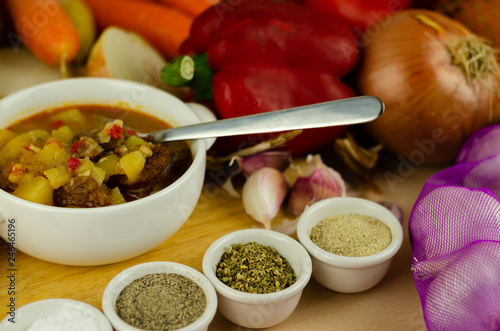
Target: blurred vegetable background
{"x": 359, "y": 14}
{"x": 50, "y": 35}
{"x": 268, "y": 55}
{"x": 436, "y": 68}
{"x": 440, "y": 83}
{"x": 164, "y": 27}
{"x": 434, "y": 63}
{"x": 480, "y": 16}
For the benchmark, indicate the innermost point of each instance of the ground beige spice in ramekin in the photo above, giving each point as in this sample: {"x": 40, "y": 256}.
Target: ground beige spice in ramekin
{"x": 351, "y": 235}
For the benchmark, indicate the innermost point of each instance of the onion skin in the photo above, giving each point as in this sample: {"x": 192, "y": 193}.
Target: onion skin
{"x": 431, "y": 106}
{"x": 480, "y": 16}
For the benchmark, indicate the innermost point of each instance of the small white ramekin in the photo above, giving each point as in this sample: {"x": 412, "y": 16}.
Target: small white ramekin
{"x": 253, "y": 310}
{"x": 124, "y": 278}
{"x": 342, "y": 273}
{"x": 27, "y": 315}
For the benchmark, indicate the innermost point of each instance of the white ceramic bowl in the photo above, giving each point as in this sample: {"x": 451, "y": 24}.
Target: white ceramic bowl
{"x": 46, "y": 310}
{"x": 120, "y": 281}
{"x": 95, "y": 236}
{"x": 252, "y": 310}
{"x": 342, "y": 273}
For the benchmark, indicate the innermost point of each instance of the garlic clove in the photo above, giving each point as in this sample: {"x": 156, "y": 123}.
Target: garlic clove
{"x": 278, "y": 160}
{"x": 321, "y": 182}
{"x": 301, "y": 196}
{"x": 263, "y": 193}
{"x": 326, "y": 182}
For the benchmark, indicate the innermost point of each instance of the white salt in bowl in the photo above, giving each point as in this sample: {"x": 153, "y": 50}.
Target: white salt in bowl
{"x": 342, "y": 273}
{"x": 251, "y": 310}
{"x": 124, "y": 278}
{"x": 55, "y": 312}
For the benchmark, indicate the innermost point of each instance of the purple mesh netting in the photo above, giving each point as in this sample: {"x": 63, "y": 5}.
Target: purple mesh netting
{"x": 455, "y": 236}
{"x": 481, "y": 145}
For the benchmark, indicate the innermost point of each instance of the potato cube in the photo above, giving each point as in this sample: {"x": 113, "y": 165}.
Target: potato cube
{"x": 132, "y": 164}
{"x": 98, "y": 175}
{"x": 64, "y": 135}
{"x": 58, "y": 176}
{"x": 134, "y": 141}
{"x": 117, "y": 196}
{"x": 85, "y": 167}
{"x": 72, "y": 118}
{"x": 14, "y": 146}
{"x": 88, "y": 168}
{"x": 51, "y": 155}
{"x": 5, "y": 136}
{"x": 26, "y": 178}
{"x": 39, "y": 134}
{"x": 36, "y": 190}
{"x": 109, "y": 164}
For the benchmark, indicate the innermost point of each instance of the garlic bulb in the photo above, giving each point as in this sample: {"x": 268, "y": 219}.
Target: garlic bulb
{"x": 263, "y": 193}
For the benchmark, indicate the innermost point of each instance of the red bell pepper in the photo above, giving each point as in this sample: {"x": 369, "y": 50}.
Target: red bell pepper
{"x": 268, "y": 55}
{"x": 360, "y": 14}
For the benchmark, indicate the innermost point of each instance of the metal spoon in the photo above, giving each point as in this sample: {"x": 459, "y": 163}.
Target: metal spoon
{"x": 332, "y": 113}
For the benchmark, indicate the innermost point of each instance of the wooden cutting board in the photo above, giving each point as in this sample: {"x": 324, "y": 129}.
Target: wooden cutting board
{"x": 392, "y": 305}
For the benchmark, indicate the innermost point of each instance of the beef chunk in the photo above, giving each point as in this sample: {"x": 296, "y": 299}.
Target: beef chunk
{"x": 169, "y": 161}
{"x": 86, "y": 147}
{"x": 82, "y": 192}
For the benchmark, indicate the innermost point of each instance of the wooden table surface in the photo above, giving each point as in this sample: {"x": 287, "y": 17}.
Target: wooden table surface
{"x": 392, "y": 305}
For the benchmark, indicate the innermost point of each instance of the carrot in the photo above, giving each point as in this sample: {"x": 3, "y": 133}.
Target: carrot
{"x": 165, "y": 28}
{"x": 191, "y": 7}
{"x": 45, "y": 29}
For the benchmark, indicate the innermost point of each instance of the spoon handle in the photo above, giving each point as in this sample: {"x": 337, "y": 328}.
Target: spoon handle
{"x": 332, "y": 113}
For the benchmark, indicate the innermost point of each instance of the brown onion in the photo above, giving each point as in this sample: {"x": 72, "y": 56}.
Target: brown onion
{"x": 414, "y": 61}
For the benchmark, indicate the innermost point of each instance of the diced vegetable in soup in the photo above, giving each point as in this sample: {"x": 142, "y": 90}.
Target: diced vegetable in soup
{"x": 87, "y": 157}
